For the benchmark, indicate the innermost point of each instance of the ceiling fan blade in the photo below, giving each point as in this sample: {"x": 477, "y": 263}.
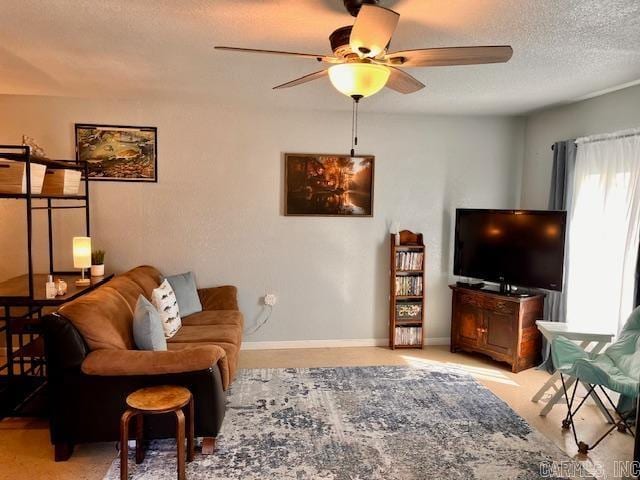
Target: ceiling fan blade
{"x": 319, "y": 58}
{"x": 403, "y": 82}
{"x": 372, "y": 30}
{"x": 439, "y": 57}
{"x": 305, "y": 79}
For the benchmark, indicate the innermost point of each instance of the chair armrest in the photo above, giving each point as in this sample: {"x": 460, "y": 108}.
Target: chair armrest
{"x": 144, "y": 362}
{"x": 219, "y": 298}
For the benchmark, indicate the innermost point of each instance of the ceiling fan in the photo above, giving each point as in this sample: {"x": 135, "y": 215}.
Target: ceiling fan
{"x": 361, "y": 64}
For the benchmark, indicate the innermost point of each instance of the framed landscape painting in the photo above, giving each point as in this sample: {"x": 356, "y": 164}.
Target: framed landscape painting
{"x": 329, "y": 185}
{"x": 118, "y": 153}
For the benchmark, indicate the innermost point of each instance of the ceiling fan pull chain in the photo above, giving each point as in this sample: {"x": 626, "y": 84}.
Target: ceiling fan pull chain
{"x": 354, "y": 124}
{"x": 353, "y": 128}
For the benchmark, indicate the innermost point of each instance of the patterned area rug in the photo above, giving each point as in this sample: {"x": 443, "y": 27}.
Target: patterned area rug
{"x": 391, "y": 423}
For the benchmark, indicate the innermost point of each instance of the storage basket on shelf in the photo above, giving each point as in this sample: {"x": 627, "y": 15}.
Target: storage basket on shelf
{"x": 13, "y": 177}
{"x": 61, "y": 182}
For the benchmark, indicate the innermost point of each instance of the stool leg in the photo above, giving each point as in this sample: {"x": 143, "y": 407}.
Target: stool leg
{"x": 124, "y": 443}
{"x": 190, "y": 430}
{"x": 180, "y": 443}
{"x": 139, "y": 439}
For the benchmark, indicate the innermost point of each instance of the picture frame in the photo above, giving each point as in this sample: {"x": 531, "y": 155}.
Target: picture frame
{"x": 120, "y": 153}
{"x": 328, "y": 185}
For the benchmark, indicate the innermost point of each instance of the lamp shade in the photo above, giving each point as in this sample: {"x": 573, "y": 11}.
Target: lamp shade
{"x": 359, "y": 79}
{"x": 81, "y": 252}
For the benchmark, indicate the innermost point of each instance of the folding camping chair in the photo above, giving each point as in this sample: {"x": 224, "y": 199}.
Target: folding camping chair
{"x": 617, "y": 369}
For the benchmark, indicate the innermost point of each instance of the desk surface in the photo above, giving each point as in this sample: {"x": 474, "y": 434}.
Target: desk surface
{"x": 15, "y": 291}
{"x": 573, "y": 332}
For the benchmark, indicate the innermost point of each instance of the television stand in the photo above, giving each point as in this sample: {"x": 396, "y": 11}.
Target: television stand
{"x": 501, "y": 326}
{"x": 472, "y": 285}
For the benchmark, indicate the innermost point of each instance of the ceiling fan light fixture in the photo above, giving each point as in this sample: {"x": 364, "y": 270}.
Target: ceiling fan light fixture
{"x": 359, "y": 79}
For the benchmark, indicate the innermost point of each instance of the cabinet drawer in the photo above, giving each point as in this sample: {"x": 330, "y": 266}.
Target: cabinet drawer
{"x": 500, "y": 306}
{"x": 470, "y": 299}
{"x": 489, "y": 303}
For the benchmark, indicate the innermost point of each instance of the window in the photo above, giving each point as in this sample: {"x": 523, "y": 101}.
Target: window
{"x": 604, "y": 233}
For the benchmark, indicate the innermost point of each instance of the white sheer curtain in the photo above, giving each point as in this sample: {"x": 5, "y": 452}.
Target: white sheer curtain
{"x": 604, "y": 231}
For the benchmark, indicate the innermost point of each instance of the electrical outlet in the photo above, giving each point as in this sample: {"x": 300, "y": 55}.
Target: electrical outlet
{"x": 270, "y": 299}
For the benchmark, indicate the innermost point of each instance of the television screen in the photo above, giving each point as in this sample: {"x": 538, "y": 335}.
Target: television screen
{"x": 515, "y": 247}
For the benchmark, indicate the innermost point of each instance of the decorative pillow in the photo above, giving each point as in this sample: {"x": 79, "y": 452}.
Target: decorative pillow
{"x": 164, "y": 299}
{"x": 184, "y": 286}
{"x": 147, "y": 327}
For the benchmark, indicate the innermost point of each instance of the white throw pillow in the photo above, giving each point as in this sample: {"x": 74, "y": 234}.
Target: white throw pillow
{"x": 164, "y": 299}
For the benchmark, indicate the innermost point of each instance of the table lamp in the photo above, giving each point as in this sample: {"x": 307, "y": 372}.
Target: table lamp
{"x": 82, "y": 258}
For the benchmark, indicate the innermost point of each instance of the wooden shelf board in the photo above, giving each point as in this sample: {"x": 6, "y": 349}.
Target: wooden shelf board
{"x": 416, "y": 345}
{"x": 408, "y": 323}
{"x": 409, "y": 297}
{"x": 49, "y": 162}
{"x": 19, "y": 196}
{"x": 15, "y": 291}
{"x": 400, "y": 272}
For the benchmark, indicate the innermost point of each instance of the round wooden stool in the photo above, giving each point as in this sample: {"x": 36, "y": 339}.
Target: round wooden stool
{"x": 154, "y": 401}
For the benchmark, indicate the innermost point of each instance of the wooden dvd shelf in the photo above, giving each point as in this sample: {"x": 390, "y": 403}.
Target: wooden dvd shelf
{"x": 407, "y": 290}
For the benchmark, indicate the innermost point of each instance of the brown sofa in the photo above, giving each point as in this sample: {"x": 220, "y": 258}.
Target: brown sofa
{"x": 93, "y": 363}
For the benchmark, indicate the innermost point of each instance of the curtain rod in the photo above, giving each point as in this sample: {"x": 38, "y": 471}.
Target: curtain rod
{"x": 605, "y": 136}
{"x": 609, "y": 136}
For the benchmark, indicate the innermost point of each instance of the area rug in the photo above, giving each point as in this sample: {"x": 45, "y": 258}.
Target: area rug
{"x": 391, "y": 423}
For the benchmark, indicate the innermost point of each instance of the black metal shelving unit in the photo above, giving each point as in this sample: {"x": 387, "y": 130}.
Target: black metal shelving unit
{"x": 23, "y": 374}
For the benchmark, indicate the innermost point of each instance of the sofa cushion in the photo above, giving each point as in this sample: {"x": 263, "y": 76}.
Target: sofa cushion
{"x": 214, "y": 317}
{"x": 184, "y": 286}
{"x": 231, "y": 353}
{"x": 165, "y": 301}
{"x": 147, "y": 327}
{"x": 126, "y": 287}
{"x": 207, "y": 333}
{"x": 219, "y": 298}
{"x": 103, "y": 318}
{"x": 140, "y": 362}
{"x": 147, "y": 277}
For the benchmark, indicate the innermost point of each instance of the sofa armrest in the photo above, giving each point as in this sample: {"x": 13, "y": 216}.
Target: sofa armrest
{"x": 114, "y": 362}
{"x": 219, "y": 298}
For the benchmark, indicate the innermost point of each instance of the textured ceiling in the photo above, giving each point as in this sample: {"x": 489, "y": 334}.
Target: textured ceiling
{"x": 162, "y": 49}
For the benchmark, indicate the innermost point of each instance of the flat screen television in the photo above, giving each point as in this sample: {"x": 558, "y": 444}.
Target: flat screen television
{"x": 522, "y": 248}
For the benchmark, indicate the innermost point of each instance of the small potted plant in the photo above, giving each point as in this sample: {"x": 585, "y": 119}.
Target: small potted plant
{"x": 97, "y": 263}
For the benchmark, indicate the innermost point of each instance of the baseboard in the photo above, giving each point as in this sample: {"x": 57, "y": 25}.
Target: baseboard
{"x": 437, "y": 341}
{"x": 358, "y": 342}
{"x": 364, "y": 342}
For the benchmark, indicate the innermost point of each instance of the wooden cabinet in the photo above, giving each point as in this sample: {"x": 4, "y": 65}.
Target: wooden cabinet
{"x": 500, "y": 326}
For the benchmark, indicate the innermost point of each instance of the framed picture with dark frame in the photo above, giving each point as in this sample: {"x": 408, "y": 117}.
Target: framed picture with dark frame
{"x": 117, "y": 152}
{"x": 329, "y": 185}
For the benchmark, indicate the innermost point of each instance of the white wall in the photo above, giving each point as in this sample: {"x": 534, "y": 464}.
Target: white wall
{"x": 608, "y": 113}
{"x": 217, "y": 209}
